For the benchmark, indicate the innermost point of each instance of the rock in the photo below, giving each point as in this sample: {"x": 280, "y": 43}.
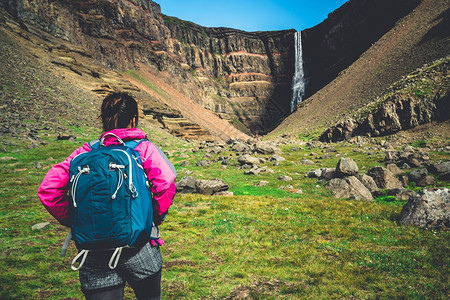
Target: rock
{"x": 405, "y": 166}
{"x": 417, "y": 175}
{"x": 328, "y": 173}
{"x": 428, "y": 209}
{"x": 391, "y": 156}
{"x": 315, "y": 173}
{"x": 441, "y": 169}
{"x": 404, "y": 180}
{"x": 184, "y": 163}
{"x": 211, "y": 187}
{"x": 253, "y": 171}
{"x": 285, "y": 178}
{"x": 246, "y": 159}
{"x": 240, "y": 147}
{"x": 262, "y": 183}
{"x": 206, "y": 187}
{"x": 266, "y": 148}
{"x": 217, "y": 150}
{"x": 38, "y": 165}
{"x": 426, "y": 181}
{"x": 325, "y": 156}
{"x": 276, "y": 158}
{"x": 307, "y": 162}
{"x": 346, "y": 167}
{"x": 400, "y": 193}
{"x": 394, "y": 169}
{"x": 64, "y": 136}
{"x": 384, "y": 178}
{"x": 224, "y": 193}
{"x": 186, "y": 185}
{"x": 368, "y": 182}
{"x": 40, "y": 226}
{"x": 203, "y": 163}
{"x": 349, "y": 187}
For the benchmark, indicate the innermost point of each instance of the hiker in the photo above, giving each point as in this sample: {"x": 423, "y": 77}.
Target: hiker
{"x": 139, "y": 266}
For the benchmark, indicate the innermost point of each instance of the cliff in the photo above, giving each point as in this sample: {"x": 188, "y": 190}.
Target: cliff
{"x": 333, "y": 45}
{"x": 419, "y": 98}
{"x": 417, "y": 39}
{"x": 246, "y": 75}
{"x": 230, "y": 76}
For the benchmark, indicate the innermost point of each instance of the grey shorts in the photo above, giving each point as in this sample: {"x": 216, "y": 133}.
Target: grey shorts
{"x": 135, "y": 265}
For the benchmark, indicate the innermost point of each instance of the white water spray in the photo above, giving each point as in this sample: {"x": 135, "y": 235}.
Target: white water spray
{"x": 298, "y": 81}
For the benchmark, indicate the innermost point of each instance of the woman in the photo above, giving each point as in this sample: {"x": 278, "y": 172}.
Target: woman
{"x": 140, "y": 267}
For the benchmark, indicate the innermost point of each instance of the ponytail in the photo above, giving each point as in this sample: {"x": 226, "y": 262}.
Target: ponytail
{"x": 118, "y": 110}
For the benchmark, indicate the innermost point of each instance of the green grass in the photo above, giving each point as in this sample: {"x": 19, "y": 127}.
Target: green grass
{"x": 265, "y": 242}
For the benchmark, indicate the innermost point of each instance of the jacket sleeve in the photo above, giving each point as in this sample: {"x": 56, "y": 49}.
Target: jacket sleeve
{"x": 53, "y": 190}
{"x": 162, "y": 175}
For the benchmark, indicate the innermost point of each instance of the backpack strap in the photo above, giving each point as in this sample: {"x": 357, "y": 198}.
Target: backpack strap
{"x": 134, "y": 143}
{"x": 94, "y": 144}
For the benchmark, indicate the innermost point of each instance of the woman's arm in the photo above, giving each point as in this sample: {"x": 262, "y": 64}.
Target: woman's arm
{"x": 53, "y": 190}
{"x": 161, "y": 173}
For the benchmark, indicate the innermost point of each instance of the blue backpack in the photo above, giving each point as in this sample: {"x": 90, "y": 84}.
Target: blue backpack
{"x": 110, "y": 200}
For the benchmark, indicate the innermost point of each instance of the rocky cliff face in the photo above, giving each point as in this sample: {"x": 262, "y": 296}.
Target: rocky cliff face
{"x": 421, "y": 97}
{"x": 246, "y": 75}
{"x": 243, "y": 77}
{"x": 348, "y": 32}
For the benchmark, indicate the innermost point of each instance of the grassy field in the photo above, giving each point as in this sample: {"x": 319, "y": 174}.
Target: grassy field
{"x": 262, "y": 243}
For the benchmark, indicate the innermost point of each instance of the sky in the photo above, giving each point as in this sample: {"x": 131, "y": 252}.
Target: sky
{"x": 251, "y": 15}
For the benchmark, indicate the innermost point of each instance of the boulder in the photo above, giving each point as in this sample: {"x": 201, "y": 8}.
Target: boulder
{"x": 253, "y": 171}
{"x": 328, "y": 173}
{"x": 384, "y": 178}
{"x": 266, "y": 148}
{"x": 368, "y": 182}
{"x": 203, "y": 163}
{"x": 307, "y": 162}
{"x": 184, "y": 163}
{"x": 40, "y": 226}
{"x": 346, "y": 167}
{"x": 276, "y": 158}
{"x": 206, "y": 187}
{"x": 285, "y": 178}
{"x": 400, "y": 193}
{"x": 394, "y": 169}
{"x": 417, "y": 175}
{"x": 428, "y": 209}
{"x": 187, "y": 185}
{"x": 211, "y": 187}
{"x": 315, "y": 173}
{"x": 441, "y": 169}
{"x": 426, "y": 181}
{"x": 240, "y": 147}
{"x": 246, "y": 159}
{"x": 349, "y": 187}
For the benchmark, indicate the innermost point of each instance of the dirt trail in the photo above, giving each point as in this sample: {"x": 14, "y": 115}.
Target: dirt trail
{"x": 190, "y": 109}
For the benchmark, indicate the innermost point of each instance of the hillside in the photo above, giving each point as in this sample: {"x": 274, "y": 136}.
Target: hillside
{"x": 417, "y": 39}
{"x": 48, "y": 79}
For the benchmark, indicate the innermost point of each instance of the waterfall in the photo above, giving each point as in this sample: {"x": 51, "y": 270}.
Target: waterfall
{"x": 298, "y": 81}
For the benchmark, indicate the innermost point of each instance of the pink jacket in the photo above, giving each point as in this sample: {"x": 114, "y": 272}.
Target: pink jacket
{"x": 53, "y": 189}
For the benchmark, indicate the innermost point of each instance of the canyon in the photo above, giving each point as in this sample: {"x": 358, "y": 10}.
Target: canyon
{"x": 211, "y": 82}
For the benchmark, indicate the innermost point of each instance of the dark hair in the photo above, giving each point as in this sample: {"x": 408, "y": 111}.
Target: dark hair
{"x": 118, "y": 109}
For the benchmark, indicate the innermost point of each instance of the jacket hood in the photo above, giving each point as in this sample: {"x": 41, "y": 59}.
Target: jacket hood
{"x": 125, "y": 134}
